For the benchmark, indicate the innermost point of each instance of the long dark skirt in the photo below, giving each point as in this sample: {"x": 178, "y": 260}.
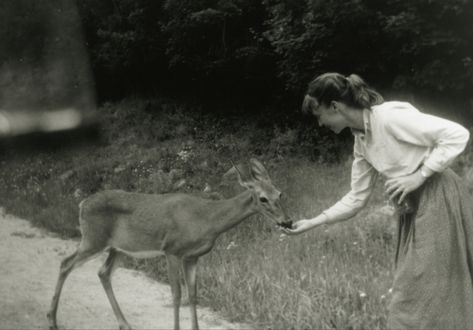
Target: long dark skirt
{"x": 433, "y": 282}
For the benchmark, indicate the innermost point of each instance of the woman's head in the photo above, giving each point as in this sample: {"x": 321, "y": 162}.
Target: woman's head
{"x": 351, "y": 90}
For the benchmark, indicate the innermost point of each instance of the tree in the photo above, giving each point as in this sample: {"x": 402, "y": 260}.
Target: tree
{"x": 423, "y": 45}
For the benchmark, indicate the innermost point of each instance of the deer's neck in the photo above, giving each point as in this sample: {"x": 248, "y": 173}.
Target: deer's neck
{"x": 232, "y": 211}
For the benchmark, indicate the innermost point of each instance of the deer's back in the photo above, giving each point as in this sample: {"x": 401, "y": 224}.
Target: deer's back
{"x": 140, "y": 205}
{"x": 140, "y": 222}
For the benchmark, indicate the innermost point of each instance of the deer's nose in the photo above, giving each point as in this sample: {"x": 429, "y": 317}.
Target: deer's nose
{"x": 287, "y": 224}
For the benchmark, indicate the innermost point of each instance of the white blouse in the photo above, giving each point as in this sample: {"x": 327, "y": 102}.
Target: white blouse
{"x": 396, "y": 141}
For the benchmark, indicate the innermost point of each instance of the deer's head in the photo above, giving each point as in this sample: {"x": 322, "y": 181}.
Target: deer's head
{"x": 267, "y": 198}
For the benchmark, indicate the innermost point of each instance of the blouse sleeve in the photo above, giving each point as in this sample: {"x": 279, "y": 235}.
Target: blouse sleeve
{"x": 446, "y": 138}
{"x": 363, "y": 178}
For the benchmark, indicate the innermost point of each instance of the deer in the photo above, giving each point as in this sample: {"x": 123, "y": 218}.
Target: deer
{"x": 182, "y": 227}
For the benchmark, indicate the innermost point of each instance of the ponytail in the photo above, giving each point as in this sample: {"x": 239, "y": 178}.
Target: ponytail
{"x": 362, "y": 95}
{"x": 351, "y": 90}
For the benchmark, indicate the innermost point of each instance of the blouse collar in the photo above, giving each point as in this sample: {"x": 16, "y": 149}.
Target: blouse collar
{"x": 366, "y": 124}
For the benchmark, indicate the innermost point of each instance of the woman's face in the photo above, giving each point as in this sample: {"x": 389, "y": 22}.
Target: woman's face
{"x": 330, "y": 116}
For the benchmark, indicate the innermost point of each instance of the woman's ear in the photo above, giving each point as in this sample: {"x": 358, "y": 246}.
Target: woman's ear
{"x": 339, "y": 107}
{"x": 335, "y": 106}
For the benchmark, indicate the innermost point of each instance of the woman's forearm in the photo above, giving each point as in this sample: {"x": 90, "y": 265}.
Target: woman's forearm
{"x": 304, "y": 225}
{"x": 323, "y": 219}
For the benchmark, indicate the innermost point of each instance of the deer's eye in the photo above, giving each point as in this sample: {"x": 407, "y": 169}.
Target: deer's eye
{"x": 263, "y": 199}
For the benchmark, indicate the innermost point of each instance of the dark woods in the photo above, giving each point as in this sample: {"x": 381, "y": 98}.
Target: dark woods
{"x": 209, "y": 50}
{"x": 255, "y": 53}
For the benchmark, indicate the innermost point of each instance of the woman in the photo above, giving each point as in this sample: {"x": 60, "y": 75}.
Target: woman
{"x": 412, "y": 150}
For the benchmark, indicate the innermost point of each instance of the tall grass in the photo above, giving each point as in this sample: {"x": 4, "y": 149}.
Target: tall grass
{"x": 334, "y": 277}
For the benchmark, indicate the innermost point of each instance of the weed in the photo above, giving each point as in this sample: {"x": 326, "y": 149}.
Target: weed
{"x": 327, "y": 278}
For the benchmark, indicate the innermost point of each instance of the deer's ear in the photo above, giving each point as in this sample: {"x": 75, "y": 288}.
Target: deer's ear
{"x": 258, "y": 170}
{"x": 243, "y": 174}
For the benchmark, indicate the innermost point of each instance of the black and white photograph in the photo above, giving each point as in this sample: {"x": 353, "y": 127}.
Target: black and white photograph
{"x": 236, "y": 164}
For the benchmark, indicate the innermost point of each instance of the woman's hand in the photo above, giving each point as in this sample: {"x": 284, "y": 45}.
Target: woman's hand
{"x": 298, "y": 227}
{"x": 403, "y": 185}
{"x": 303, "y": 225}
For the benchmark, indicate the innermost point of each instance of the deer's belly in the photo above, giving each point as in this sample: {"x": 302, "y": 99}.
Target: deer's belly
{"x": 142, "y": 254}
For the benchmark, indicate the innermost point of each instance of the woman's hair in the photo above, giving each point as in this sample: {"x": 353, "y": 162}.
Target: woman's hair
{"x": 351, "y": 90}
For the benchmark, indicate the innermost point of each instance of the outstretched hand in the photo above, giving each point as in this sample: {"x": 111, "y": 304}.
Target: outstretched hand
{"x": 403, "y": 185}
{"x": 298, "y": 227}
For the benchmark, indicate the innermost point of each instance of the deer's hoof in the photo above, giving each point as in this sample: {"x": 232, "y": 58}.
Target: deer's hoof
{"x": 52, "y": 321}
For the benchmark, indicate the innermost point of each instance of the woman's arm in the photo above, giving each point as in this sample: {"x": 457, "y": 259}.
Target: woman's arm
{"x": 401, "y": 186}
{"x": 305, "y": 224}
{"x": 363, "y": 178}
{"x": 446, "y": 138}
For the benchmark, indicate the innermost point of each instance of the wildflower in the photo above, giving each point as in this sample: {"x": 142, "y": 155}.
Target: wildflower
{"x": 232, "y": 245}
{"x": 362, "y": 294}
{"x": 184, "y": 155}
{"x": 78, "y": 193}
{"x": 207, "y": 188}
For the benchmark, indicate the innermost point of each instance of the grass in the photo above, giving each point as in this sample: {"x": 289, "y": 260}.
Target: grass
{"x": 336, "y": 277}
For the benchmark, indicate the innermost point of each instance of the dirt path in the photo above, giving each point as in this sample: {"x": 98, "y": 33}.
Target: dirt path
{"x": 29, "y": 264}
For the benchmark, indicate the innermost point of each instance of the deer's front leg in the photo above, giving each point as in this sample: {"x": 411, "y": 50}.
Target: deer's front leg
{"x": 105, "y": 274}
{"x": 190, "y": 271}
{"x": 174, "y": 281}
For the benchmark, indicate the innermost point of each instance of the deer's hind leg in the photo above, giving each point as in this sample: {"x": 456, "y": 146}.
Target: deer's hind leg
{"x": 174, "y": 264}
{"x": 190, "y": 271}
{"x": 105, "y": 274}
{"x": 76, "y": 259}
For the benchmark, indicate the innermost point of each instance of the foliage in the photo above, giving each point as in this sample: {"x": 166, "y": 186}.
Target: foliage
{"x": 228, "y": 49}
{"x": 416, "y": 45}
{"x": 334, "y": 278}
{"x": 204, "y": 47}
{"x": 243, "y": 51}
{"x": 214, "y": 48}
{"x": 126, "y": 42}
